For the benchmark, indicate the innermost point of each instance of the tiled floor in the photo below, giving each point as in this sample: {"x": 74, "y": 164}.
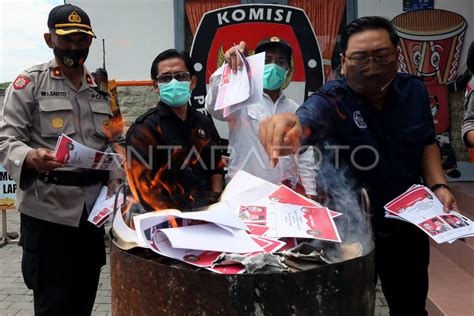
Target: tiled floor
{"x": 16, "y": 299}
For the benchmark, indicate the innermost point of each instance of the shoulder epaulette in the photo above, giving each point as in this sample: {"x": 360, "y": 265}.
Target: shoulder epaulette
{"x": 142, "y": 117}
{"x": 37, "y": 68}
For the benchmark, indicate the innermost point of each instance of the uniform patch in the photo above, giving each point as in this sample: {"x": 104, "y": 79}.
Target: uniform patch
{"x": 21, "y": 82}
{"x": 57, "y": 122}
{"x": 468, "y": 89}
{"x": 359, "y": 120}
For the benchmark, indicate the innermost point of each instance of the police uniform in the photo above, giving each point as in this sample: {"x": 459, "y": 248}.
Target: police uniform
{"x": 169, "y": 156}
{"x": 62, "y": 252}
{"x": 397, "y": 134}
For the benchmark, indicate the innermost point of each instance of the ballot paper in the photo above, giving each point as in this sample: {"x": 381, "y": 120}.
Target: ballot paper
{"x": 287, "y": 196}
{"x": 203, "y": 259}
{"x": 242, "y": 182}
{"x": 420, "y": 206}
{"x": 237, "y": 90}
{"x": 103, "y": 207}
{"x": 219, "y": 214}
{"x": 210, "y": 237}
{"x": 125, "y": 237}
{"x": 285, "y": 213}
{"x": 234, "y": 87}
{"x": 75, "y": 154}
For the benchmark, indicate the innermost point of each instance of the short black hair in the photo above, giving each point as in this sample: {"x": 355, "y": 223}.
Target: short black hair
{"x": 169, "y": 54}
{"x": 368, "y": 23}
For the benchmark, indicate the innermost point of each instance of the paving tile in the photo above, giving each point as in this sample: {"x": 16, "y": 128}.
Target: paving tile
{"x": 102, "y": 293}
{"x": 12, "y": 291}
{"x": 22, "y": 305}
{"x": 103, "y": 300}
{"x": 104, "y": 307}
{"x": 19, "y": 298}
{"x": 25, "y": 312}
{"x": 5, "y": 305}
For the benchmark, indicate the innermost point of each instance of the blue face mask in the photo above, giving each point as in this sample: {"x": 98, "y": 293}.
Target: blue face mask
{"x": 273, "y": 76}
{"x": 175, "y": 93}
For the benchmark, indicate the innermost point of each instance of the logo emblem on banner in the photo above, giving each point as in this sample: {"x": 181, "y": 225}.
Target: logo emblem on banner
{"x": 222, "y": 28}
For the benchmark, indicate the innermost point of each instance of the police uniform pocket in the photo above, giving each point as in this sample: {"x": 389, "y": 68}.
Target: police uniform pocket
{"x": 102, "y": 114}
{"x": 56, "y": 117}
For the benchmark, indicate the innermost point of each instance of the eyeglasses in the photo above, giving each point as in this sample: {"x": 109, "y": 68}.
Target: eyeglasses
{"x": 363, "y": 59}
{"x": 167, "y": 77}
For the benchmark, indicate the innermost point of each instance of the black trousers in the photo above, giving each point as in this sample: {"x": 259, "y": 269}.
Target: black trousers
{"x": 61, "y": 264}
{"x": 402, "y": 256}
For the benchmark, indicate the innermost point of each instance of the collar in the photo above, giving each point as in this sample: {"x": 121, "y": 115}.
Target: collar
{"x": 281, "y": 97}
{"x": 165, "y": 110}
{"x": 393, "y": 88}
{"x": 56, "y": 73}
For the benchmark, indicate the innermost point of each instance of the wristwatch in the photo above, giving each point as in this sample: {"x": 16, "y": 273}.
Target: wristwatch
{"x": 438, "y": 186}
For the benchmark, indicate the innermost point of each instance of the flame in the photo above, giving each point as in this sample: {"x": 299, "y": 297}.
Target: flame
{"x": 150, "y": 185}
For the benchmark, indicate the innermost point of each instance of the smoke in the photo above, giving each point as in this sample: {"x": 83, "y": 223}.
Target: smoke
{"x": 341, "y": 192}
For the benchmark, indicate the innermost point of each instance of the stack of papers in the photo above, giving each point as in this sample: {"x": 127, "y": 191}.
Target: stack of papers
{"x": 75, "y": 154}
{"x": 261, "y": 219}
{"x": 419, "y": 206}
{"x": 236, "y": 90}
{"x": 198, "y": 237}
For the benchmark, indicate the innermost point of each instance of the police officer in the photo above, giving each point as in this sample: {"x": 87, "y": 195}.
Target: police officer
{"x": 172, "y": 147}
{"x": 62, "y": 252}
{"x": 384, "y": 118}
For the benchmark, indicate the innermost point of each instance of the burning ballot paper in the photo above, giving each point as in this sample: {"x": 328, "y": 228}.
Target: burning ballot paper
{"x": 75, "y": 154}
{"x": 420, "y": 206}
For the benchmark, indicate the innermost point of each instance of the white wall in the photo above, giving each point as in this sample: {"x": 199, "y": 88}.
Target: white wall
{"x": 134, "y": 32}
{"x": 392, "y": 8}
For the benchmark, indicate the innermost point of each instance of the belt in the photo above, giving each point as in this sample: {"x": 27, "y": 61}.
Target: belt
{"x": 75, "y": 179}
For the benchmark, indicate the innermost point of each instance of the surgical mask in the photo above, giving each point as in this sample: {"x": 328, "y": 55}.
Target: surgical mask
{"x": 273, "y": 76}
{"x": 71, "y": 58}
{"x": 371, "y": 79}
{"x": 175, "y": 93}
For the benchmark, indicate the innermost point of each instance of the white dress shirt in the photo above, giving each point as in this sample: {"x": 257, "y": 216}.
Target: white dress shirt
{"x": 246, "y": 151}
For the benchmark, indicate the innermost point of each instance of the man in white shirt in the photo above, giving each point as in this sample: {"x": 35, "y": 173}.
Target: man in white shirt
{"x": 246, "y": 152}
